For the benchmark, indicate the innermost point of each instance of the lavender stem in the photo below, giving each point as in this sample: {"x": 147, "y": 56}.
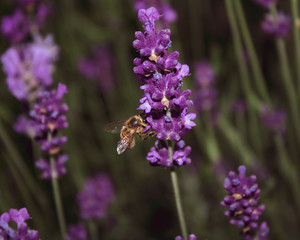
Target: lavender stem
{"x": 237, "y": 141}
{"x": 39, "y": 220}
{"x": 286, "y": 75}
{"x": 22, "y": 167}
{"x": 258, "y": 76}
{"x": 244, "y": 76}
{"x": 57, "y": 199}
{"x": 296, "y": 34}
{"x": 177, "y": 195}
{"x": 212, "y": 146}
{"x": 93, "y": 230}
{"x": 288, "y": 170}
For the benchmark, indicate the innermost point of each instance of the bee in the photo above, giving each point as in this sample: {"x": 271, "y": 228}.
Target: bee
{"x": 127, "y": 128}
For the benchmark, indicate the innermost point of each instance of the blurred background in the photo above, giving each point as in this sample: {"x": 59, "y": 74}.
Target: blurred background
{"x": 247, "y": 110}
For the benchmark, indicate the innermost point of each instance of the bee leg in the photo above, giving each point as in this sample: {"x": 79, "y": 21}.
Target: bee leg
{"x": 147, "y": 135}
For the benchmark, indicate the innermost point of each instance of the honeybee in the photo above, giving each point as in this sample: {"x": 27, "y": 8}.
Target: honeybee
{"x": 127, "y": 128}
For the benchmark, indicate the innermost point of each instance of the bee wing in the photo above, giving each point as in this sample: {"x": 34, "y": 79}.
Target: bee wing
{"x": 122, "y": 146}
{"x": 114, "y": 127}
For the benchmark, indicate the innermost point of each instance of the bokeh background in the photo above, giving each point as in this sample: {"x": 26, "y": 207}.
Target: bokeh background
{"x": 225, "y": 137}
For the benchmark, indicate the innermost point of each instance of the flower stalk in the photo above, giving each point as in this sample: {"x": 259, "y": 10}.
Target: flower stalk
{"x": 23, "y": 170}
{"x": 178, "y": 203}
{"x": 244, "y": 75}
{"x": 257, "y": 73}
{"x": 57, "y": 199}
{"x": 296, "y": 35}
{"x": 93, "y": 230}
{"x": 176, "y": 191}
{"x": 286, "y": 75}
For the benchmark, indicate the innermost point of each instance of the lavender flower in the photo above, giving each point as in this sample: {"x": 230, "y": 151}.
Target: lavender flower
{"x": 45, "y": 167}
{"x": 96, "y": 195}
{"x": 190, "y": 237}
{"x": 275, "y": 120}
{"x": 22, "y": 232}
{"x": 23, "y": 126}
{"x": 205, "y": 95}
{"x": 90, "y": 67}
{"x": 279, "y": 26}
{"x": 29, "y": 67}
{"x": 266, "y": 3}
{"x": 77, "y": 232}
{"x": 15, "y": 28}
{"x": 42, "y": 12}
{"x": 169, "y": 15}
{"x": 48, "y": 117}
{"x": 263, "y": 231}
{"x": 242, "y": 202}
{"x": 204, "y": 74}
{"x": 159, "y": 155}
{"x": 164, "y": 103}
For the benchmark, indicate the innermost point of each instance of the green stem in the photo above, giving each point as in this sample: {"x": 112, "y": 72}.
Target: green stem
{"x": 258, "y": 76}
{"x": 287, "y": 79}
{"x": 93, "y": 230}
{"x": 212, "y": 146}
{"x": 236, "y": 141}
{"x": 36, "y": 214}
{"x": 57, "y": 199}
{"x": 22, "y": 168}
{"x": 289, "y": 171}
{"x": 296, "y": 35}
{"x": 244, "y": 76}
{"x": 177, "y": 195}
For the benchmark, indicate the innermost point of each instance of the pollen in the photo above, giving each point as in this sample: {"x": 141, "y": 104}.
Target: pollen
{"x": 51, "y": 126}
{"x": 246, "y": 229}
{"x": 153, "y": 56}
{"x": 43, "y": 111}
{"x": 237, "y": 196}
{"x": 165, "y": 101}
{"x": 54, "y": 151}
{"x": 239, "y": 212}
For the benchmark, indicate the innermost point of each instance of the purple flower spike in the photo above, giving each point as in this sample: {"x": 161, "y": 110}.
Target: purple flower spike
{"x": 204, "y": 74}
{"x": 190, "y": 237}
{"x": 77, "y": 232}
{"x": 164, "y": 103}
{"x": 242, "y": 202}
{"x": 96, "y": 195}
{"x": 22, "y": 232}
{"x": 266, "y": 3}
{"x": 29, "y": 68}
{"x": 205, "y": 95}
{"x": 15, "y": 28}
{"x": 275, "y": 120}
{"x": 48, "y": 117}
{"x": 279, "y": 26}
{"x": 103, "y": 76}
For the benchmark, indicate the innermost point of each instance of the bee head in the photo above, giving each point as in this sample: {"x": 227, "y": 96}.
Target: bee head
{"x": 134, "y": 122}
